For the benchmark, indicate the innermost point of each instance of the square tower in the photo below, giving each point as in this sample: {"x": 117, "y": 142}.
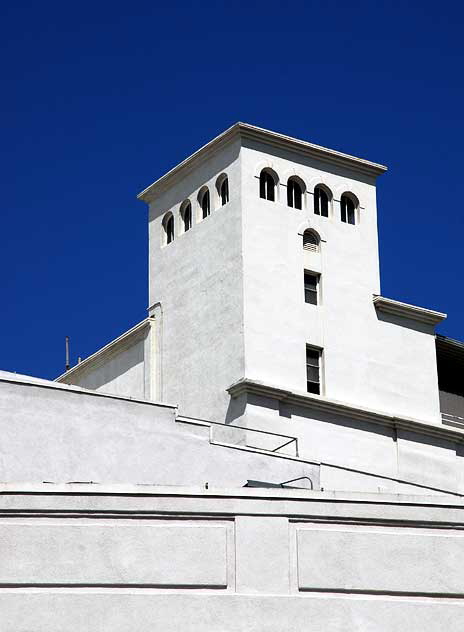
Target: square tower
{"x": 264, "y": 279}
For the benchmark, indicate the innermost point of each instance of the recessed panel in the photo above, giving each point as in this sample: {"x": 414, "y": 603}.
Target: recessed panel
{"x": 113, "y": 553}
{"x": 380, "y": 560}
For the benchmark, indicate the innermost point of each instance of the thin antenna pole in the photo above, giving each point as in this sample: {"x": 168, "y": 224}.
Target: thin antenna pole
{"x": 67, "y": 353}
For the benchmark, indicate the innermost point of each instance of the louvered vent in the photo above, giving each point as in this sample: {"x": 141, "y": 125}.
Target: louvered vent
{"x": 310, "y": 242}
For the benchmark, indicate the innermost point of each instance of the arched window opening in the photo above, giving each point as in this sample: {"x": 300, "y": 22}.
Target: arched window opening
{"x": 321, "y": 202}
{"x": 310, "y": 241}
{"x": 224, "y": 191}
{"x": 205, "y": 203}
{"x": 348, "y": 210}
{"x": 294, "y": 193}
{"x": 267, "y": 186}
{"x": 186, "y": 213}
{"x": 168, "y": 224}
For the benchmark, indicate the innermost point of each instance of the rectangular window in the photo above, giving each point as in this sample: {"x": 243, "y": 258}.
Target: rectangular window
{"x": 313, "y": 372}
{"x": 311, "y": 283}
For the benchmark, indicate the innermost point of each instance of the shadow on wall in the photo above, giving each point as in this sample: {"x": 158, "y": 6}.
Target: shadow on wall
{"x": 97, "y": 376}
{"x": 236, "y": 408}
{"x": 294, "y": 411}
{"x": 408, "y": 323}
{"x": 373, "y": 447}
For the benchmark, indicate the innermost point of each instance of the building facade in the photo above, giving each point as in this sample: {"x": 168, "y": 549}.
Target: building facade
{"x": 276, "y": 446}
{"x": 265, "y": 311}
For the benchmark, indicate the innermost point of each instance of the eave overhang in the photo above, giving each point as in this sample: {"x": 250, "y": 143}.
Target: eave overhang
{"x": 404, "y": 310}
{"x": 247, "y": 131}
{"x": 246, "y": 386}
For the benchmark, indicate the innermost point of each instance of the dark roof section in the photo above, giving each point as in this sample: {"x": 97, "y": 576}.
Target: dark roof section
{"x": 450, "y": 364}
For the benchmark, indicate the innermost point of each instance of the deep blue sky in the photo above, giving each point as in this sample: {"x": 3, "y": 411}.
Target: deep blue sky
{"x": 102, "y": 98}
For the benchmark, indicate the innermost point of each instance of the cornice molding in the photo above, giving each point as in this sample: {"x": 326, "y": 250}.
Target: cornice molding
{"x": 317, "y": 402}
{"x": 421, "y": 314}
{"x": 251, "y": 132}
{"x": 114, "y": 347}
{"x": 316, "y": 151}
{"x": 62, "y": 494}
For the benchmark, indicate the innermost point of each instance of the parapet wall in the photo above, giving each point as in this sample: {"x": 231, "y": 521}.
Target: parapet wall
{"x": 60, "y": 434}
{"x": 114, "y": 559}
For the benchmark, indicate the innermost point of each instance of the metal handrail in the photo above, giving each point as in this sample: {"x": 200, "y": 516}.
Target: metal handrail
{"x": 265, "y": 432}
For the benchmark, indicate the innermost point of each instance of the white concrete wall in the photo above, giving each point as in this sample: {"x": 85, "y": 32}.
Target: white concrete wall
{"x": 401, "y": 375}
{"x": 337, "y": 441}
{"x": 198, "y": 281}
{"x": 60, "y": 433}
{"x": 382, "y": 364}
{"x": 237, "y": 560}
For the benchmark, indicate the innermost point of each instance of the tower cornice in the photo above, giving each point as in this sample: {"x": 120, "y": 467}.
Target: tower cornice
{"x": 245, "y": 131}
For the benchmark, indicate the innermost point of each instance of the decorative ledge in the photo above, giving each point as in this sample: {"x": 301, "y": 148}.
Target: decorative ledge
{"x": 318, "y": 402}
{"x": 389, "y": 306}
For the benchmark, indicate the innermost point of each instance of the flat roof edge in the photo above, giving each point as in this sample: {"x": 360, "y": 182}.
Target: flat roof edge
{"x": 250, "y": 493}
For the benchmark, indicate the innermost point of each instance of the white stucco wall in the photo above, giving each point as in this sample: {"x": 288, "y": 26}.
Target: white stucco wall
{"x": 421, "y": 454}
{"x": 61, "y": 433}
{"x": 237, "y": 560}
{"x": 197, "y": 279}
{"x": 380, "y": 363}
{"x": 65, "y": 433}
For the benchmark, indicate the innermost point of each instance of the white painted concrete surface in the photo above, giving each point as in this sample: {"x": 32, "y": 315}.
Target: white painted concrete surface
{"x": 61, "y": 433}
{"x": 124, "y": 560}
{"x": 198, "y": 281}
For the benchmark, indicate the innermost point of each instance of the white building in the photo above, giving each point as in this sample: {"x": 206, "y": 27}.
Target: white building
{"x": 269, "y": 358}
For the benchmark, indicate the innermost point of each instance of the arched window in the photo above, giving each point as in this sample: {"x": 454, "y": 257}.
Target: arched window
{"x": 294, "y": 193}
{"x": 310, "y": 241}
{"x": 204, "y": 201}
{"x": 321, "y": 202}
{"x": 267, "y": 185}
{"x": 348, "y": 209}
{"x": 224, "y": 191}
{"x": 168, "y": 225}
{"x": 186, "y": 214}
